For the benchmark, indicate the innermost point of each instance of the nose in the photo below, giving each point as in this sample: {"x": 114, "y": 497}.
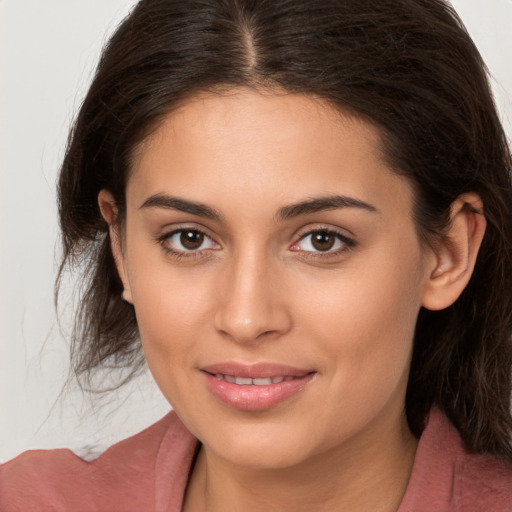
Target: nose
{"x": 252, "y": 302}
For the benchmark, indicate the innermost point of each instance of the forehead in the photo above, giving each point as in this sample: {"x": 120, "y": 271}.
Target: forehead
{"x": 209, "y": 116}
{"x": 256, "y": 144}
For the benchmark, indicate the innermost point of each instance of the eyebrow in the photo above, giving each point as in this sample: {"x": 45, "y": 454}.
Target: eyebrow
{"x": 322, "y": 204}
{"x": 182, "y": 205}
{"x": 286, "y": 212}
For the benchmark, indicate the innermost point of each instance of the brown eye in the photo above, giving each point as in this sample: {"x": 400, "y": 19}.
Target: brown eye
{"x": 323, "y": 240}
{"x": 191, "y": 240}
{"x": 187, "y": 243}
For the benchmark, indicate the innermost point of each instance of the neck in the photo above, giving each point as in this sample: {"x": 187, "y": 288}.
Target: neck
{"x": 370, "y": 474}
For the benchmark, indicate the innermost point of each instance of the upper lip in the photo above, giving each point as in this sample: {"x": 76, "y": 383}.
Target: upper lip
{"x": 255, "y": 370}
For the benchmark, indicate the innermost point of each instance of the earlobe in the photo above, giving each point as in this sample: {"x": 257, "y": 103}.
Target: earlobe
{"x": 109, "y": 212}
{"x": 456, "y": 253}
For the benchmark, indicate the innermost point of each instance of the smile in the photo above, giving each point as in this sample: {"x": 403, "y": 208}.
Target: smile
{"x": 255, "y": 387}
{"x": 248, "y": 381}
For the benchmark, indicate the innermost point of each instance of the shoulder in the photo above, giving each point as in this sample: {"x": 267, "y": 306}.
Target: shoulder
{"x": 122, "y": 478}
{"x": 484, "y": 480}
{"x": 447, "y": 477}
{"x": 480, "y": 481}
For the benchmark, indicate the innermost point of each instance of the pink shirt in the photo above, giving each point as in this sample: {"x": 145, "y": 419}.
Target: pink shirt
{"x": 149, "y": 472}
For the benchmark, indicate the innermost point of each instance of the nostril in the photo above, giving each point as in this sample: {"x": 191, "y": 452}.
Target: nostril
{"x": 266, "y": 334}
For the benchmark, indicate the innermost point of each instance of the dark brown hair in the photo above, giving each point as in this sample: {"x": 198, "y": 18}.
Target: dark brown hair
{"x": 409, "y": 67}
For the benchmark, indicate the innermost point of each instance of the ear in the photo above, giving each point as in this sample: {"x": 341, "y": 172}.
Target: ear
{"x": 109, "y": 212}
{"x": 455, "y": 256}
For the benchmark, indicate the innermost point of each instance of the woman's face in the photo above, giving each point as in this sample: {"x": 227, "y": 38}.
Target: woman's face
{"x": 276, "y": 275}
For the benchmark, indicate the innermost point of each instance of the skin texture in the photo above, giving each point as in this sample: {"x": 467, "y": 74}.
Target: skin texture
{"x": 257, "y": 290}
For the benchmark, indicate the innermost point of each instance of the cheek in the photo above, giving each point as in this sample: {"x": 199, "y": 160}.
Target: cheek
{"x": 378, "y": 292}
{"x": 169, "y": 311}
{"x": 365, "y": 320}
{"x": 363, "y": 335}
{"x": 169, "y": 325}
{"x": 171, "y": 306}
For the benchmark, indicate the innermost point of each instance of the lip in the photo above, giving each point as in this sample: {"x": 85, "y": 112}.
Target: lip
{"x": 255, "y": 370}
{"x": 255, "y": 397}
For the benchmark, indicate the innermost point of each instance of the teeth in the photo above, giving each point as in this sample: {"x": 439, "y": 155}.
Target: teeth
{"x": 247, "y": 381}
{"x": 243, "y": 381}
{"x": 262, "y": 382}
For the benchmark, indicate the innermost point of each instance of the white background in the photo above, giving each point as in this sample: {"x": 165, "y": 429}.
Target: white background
{"x": 48, "y": 50}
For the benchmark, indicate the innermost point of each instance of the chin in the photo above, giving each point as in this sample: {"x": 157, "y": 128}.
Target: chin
{"x": 262, "y": 452}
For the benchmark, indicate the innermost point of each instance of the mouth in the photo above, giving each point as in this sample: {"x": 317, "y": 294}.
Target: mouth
{"x": 261, "y": 381}
{"x": 256, "y": 387}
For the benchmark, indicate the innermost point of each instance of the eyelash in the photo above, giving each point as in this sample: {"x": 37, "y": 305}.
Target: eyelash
{"x": 347, "y": 244}
{"x": 184, "y": 254}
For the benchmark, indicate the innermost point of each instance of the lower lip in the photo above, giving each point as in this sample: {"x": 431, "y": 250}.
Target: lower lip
{"x": 252, "y": 397}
